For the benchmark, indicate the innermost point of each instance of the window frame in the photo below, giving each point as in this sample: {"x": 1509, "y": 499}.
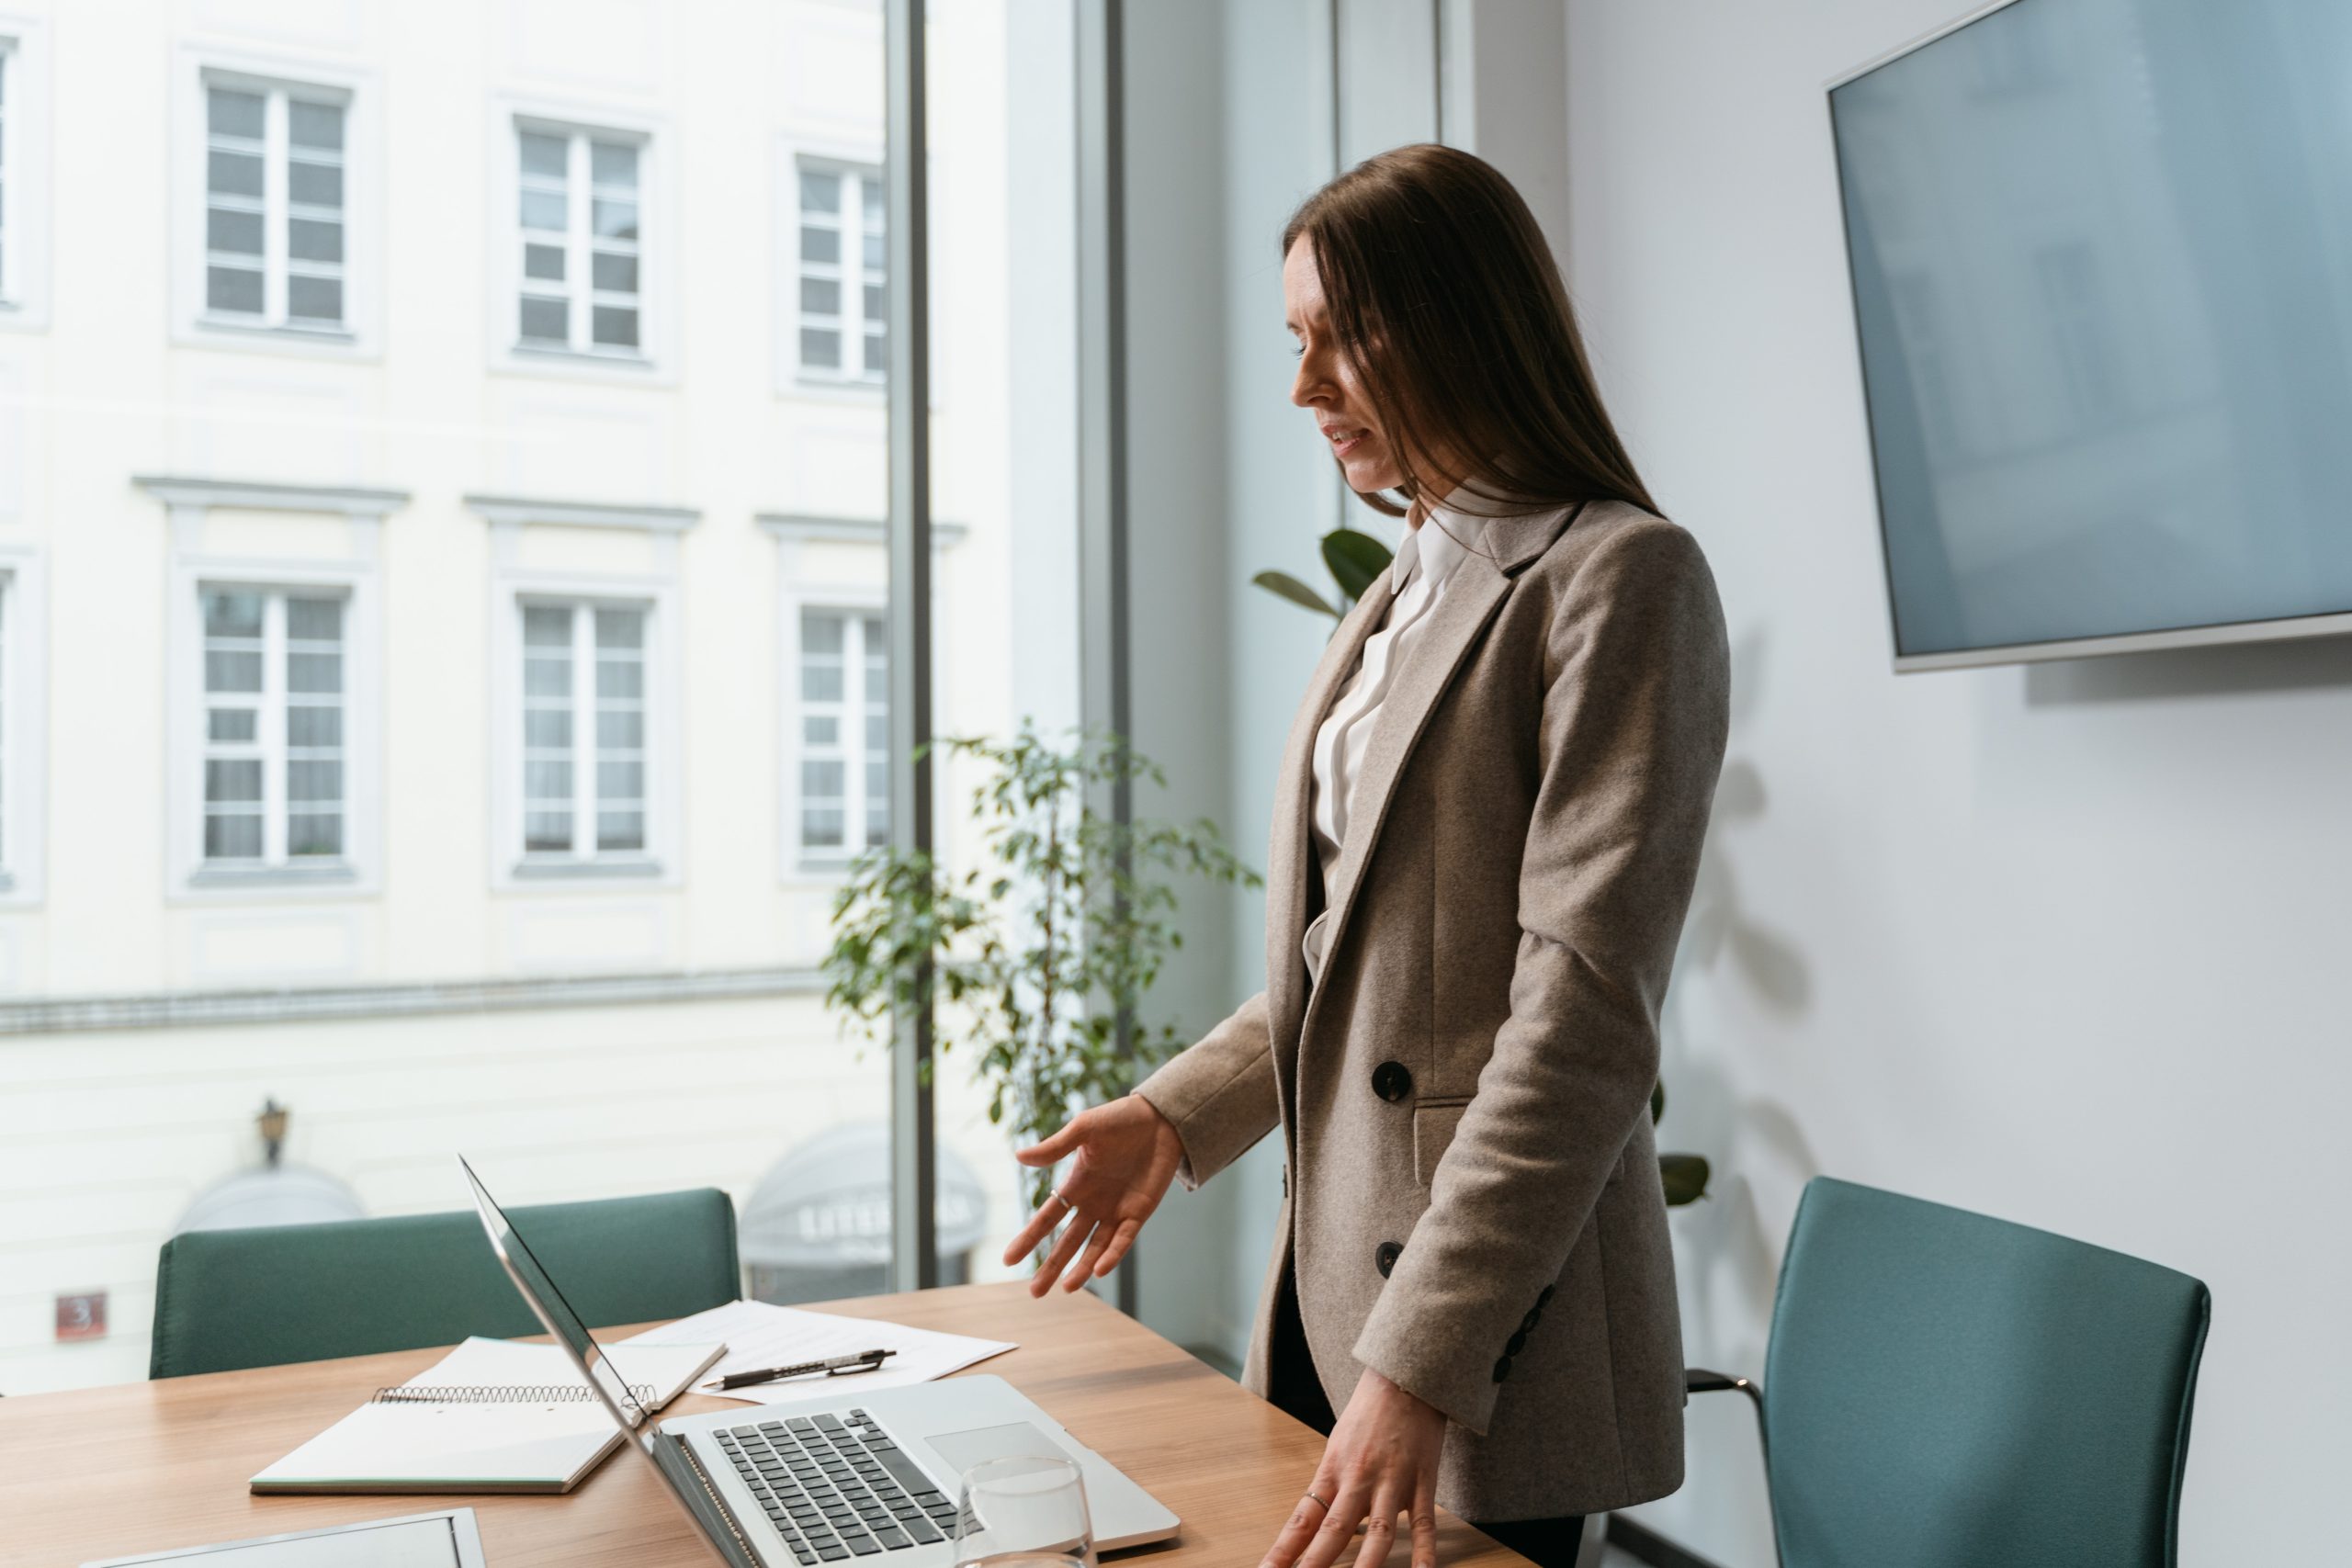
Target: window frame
{"x": 793, "y": 380}
{"x": 283, "y": 79}
{"x": 275, "y": 208}
{"x": 356, "y": 871}
{"x": 512, "y": 586}
{"x": 854, "y": 610}
{"x": 585, "y": 703}
{"x": 823, "y": 579}
{"x": 580, "y": 245}
{"x": 852, "y": 278}
{"x": 653, "y": 362}
{"x": 25, "y": 125}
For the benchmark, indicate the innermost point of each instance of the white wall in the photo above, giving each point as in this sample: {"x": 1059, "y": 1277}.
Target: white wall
{"x": 2062, "y": 944}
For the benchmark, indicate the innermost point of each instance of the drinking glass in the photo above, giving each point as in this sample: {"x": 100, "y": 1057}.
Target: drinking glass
{"x": 1024, "y": 1512}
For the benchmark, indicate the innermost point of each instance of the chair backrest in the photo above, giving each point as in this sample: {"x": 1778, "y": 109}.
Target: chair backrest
{"x": 257, "y": 1297}
{"x": 1947, "y": 1391}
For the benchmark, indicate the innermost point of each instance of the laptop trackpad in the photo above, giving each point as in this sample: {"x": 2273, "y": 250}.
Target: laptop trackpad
{"x": 962, "y": 1450}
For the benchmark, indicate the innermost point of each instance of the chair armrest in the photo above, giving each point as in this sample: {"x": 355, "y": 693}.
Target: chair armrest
{"x": 1698, "y": 1380}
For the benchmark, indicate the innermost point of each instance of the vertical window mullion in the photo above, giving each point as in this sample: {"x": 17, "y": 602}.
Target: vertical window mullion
{"x": 583, "y": 723}
{"x": 273, "y": 729}
{"x": 275, "y": 175}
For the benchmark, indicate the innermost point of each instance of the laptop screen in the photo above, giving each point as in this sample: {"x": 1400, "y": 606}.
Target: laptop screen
{"x": 552, "y": 1308}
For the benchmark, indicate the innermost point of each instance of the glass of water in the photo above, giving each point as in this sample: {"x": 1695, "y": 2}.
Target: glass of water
{"x": 1024, "y": 1512}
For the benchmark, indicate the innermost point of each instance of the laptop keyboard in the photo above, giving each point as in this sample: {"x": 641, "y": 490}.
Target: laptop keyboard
{"x": 837, "y": 1489}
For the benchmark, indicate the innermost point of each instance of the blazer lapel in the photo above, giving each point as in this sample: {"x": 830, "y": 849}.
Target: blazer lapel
{"x": 1290, "y": 851}
{"x": 1478, "y": 587}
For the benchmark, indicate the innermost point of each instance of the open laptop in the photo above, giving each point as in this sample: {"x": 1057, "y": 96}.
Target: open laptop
{"x": 853, "y": 1479}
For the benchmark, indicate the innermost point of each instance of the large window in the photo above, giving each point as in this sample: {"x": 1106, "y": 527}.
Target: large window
{"x": 845, "y": 733}
{"x": 273, "y": 207}
{"x": 584, "y": 732}
{"x": 579, "y": 209}
{"x": 841, "y": 261}
{"x": 477, "y": 696}
{"x": 274, "y": 729}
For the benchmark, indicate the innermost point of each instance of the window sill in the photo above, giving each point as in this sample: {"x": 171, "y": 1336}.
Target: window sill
{"x": 560, "y": 870}
{"x": 231, "y": 326}
{"x": 541, "y": 354}
{"x": 338, "y": 874}
{"x": 841, "y": 388}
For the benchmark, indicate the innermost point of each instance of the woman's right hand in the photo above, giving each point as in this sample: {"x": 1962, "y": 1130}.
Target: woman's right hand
{"x": 1127, "y": 1154}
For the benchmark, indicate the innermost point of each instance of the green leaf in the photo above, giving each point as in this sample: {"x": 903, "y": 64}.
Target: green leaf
{"x": 1685, "y": 1176}
{"x": 1036, "y": 957}
{"x": 1355, "y": 559}
{"x": 1284, "y": 585}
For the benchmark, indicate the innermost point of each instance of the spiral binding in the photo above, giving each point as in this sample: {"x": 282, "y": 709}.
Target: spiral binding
{"x": 499, "y": 1393}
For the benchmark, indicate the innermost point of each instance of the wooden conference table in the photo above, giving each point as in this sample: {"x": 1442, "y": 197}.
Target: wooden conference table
{"x": 144, "y": 1467}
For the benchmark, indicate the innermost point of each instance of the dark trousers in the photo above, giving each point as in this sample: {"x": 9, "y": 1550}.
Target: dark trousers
{"x": 1293, "y": 1387}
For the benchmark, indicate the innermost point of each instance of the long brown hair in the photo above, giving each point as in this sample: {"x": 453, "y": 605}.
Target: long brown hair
{"x": 1446, "y": 301}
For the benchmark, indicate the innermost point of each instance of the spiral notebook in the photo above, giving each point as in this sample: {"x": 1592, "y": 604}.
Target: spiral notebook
{"x": 492, "y": 1415}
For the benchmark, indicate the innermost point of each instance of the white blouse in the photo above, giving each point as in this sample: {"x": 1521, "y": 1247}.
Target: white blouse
{"x": 1425, "y": 562}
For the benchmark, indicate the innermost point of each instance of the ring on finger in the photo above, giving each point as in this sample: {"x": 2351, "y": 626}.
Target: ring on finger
{"x": 1318, "y": 1502}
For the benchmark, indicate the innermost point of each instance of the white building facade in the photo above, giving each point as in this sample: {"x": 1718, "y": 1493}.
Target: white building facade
{"x": 442, "y": 586}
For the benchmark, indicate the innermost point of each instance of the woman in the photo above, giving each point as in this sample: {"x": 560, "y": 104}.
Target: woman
{"x": 1486, "y": 825}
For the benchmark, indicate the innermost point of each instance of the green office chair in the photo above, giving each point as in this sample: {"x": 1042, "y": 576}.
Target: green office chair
{"x": 1943, "y": 1389}
{"x": 259, "y": 1298}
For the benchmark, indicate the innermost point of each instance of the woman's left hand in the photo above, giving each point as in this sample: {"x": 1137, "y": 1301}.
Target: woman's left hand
{"x": 1381, "y": 1461}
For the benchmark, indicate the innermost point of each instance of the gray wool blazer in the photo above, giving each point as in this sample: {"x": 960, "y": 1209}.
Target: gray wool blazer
{"x": 1473, "y": 1206}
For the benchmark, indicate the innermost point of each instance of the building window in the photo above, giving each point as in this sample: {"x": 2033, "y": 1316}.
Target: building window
{"x": 844, "y": 732}
{"x": 584, "y": 732}
{"x": 842, "y": 281}
{"x": 581, "y": 290}
{"x": 274, "y": 719}
{"x": 273, "y": 207}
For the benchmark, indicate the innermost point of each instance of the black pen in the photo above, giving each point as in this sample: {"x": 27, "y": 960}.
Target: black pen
{"x": 835, "y": 1366}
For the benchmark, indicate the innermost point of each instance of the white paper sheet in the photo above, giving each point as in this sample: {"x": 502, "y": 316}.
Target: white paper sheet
{"x": 759, "y": 1335}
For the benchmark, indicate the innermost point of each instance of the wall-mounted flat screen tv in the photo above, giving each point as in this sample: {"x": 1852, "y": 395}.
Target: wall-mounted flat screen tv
{"x": 2102, "y": 274}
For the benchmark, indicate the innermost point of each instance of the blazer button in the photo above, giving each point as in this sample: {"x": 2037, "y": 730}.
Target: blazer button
{"x": 1527, "y": 1324}
{"x": 1385, "y": 1259}
{"x": 1517, "y": 1343}
{"x": 1543, "y": 1298}
{"x": 1502, "y": 1368}
{"x": 1391, "y": 1081}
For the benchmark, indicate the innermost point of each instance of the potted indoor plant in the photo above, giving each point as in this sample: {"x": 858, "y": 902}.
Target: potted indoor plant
{"x": 1038, "y": 950}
